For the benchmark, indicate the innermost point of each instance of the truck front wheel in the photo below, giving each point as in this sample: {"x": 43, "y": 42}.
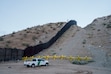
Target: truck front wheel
{"x": 46, "y": 64}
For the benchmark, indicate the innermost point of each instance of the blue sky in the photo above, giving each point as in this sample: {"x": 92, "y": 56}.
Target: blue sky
{"x": 16, "y": 15}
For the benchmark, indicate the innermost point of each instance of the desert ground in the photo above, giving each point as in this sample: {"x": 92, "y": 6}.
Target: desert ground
{"x": 55, "y": 67}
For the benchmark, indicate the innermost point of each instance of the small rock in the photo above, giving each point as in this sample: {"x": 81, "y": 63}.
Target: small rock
{"x": 9, "y": 67}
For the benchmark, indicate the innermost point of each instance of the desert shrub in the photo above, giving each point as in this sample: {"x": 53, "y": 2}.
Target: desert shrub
{"x": 40, "y": 42}
{"x": 37, "y": 32}
{"x": 46, "y": 32}
{"x": 28, "y": 28}
{"x": 43, "y": 31}
{"x": 78, "y": 30}
{"x": 53, "y": 53}
{"x": 98, "y": 30}
{"x": 61, "y": 23}
{"x": 84, "y": 41}
{"x": 95, "y": 20}
{"x": 25, "y": 35}
{"x": 8, "y": 41}
{"x": 81, "y": 61}
{"x": 21, "y": 39}
{"x": 104, "y": 24}
{"x": 7, "y": 46}
{"x": 1, "y": 39}
{"x": 60, "y": 49}
{"x": 27, "y": 31}
{"x": 20, "y": 33}
{"x": 93, "y": 29}
{"x": 34, "y": 38}
{"x": 108, "y": 26}
{"x": 54, "y": 28}
{"x": 104, "y": 18}
{"x": 13, "y": 33}
{"x": 25, "y": 44}
{"x": 90, "y": 35}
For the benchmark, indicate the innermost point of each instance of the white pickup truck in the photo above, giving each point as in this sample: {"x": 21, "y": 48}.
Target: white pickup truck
{"x": 36, "y": 62}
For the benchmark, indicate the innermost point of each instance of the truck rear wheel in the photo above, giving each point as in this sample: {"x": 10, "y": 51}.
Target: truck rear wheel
{"x": 33, "y": 65}
{"x": 28, "y": 66}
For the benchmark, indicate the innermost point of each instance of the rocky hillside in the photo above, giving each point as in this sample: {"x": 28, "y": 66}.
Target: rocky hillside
{"x": 94, "y": 40}
{"x": 78, "y": 41}
{"x": 99, "y": 32}
{"x": 30, "y": 36}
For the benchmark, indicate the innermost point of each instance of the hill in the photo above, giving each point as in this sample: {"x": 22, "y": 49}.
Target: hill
{"x": 94, "y": 40}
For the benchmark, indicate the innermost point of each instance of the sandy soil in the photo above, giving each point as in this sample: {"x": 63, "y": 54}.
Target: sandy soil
{"x": 55, "y": 67}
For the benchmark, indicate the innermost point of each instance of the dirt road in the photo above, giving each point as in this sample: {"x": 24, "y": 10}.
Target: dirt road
{"x": 55, "y": 67}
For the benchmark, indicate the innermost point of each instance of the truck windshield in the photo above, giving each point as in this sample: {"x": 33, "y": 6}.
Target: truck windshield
{"x": 34, "y": 60}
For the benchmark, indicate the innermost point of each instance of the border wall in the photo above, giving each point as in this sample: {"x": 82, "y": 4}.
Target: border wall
{"x": 32, "y": 50}
{"x": 7, "y": 54}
